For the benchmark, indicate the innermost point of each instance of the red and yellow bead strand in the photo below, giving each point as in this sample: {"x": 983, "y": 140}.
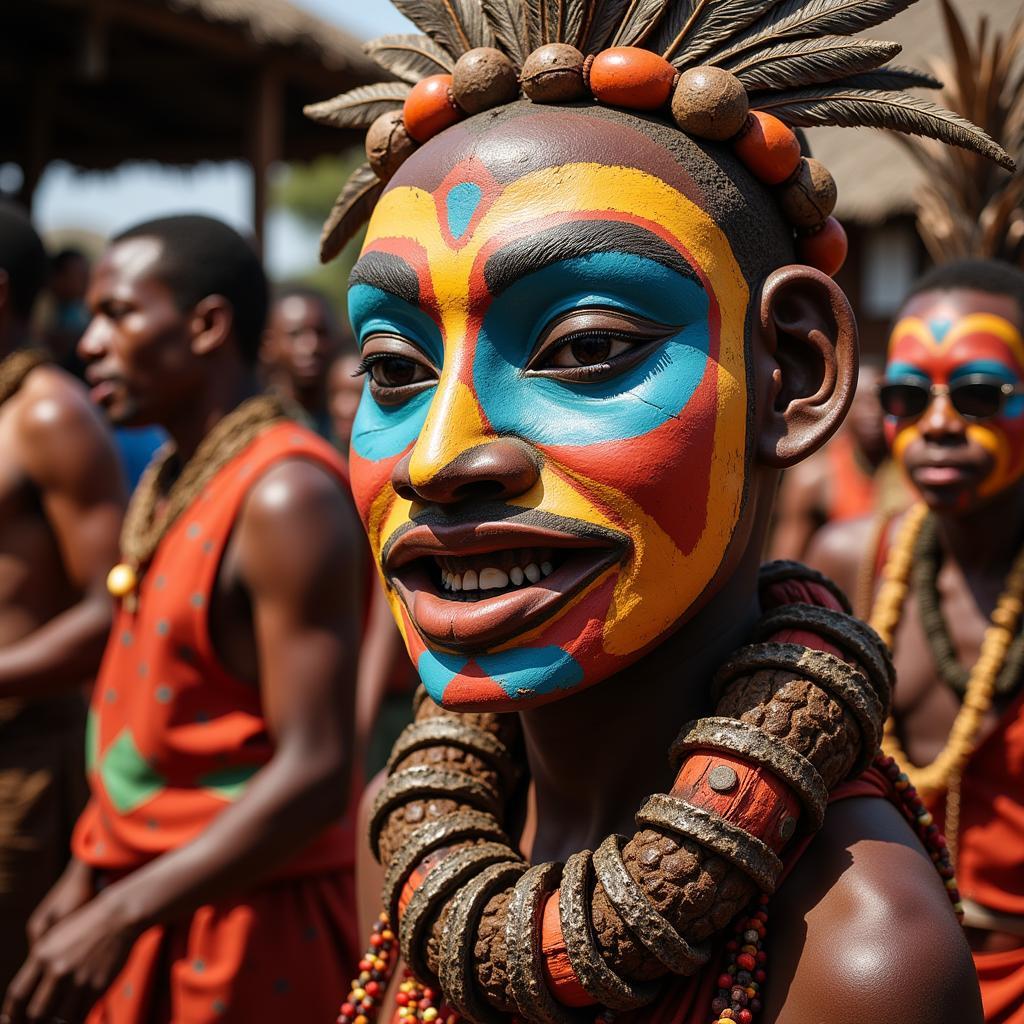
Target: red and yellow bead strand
{"x": 705, "y": 102}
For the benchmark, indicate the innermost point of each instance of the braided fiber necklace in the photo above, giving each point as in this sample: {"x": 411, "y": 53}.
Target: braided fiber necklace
{"x": 487, "y": 937}
{"x": 147, "y": 520}
{"x": 16, "y": 367}
{"x": 947, "y": 768}
{"x": 924, "y": 576}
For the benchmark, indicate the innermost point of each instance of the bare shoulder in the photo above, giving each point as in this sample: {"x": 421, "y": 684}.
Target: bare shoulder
{"x": 50, "y": 399}
{"x": 839, "y": 549}
{"x": 863, "y": 927}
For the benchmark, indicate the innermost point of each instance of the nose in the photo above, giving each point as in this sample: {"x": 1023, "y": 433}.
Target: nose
{"x": 91, "y": 345}
{"x": 941, "y": 421}
{"x": 502, "y": 468}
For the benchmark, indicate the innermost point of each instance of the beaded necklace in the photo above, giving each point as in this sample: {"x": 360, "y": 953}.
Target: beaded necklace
{"x": 16, "y": 367}
{"x": 147, "y": 520}
{"x": 488, "y": 937}
{"x": 924, "y": 576}
{"x": 885, "y": 617}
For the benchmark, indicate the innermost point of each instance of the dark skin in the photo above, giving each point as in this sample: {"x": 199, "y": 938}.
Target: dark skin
{"x": 863, "y": 922}
{"x": 806, "y": 492}
{"x": 979, "y": 538}
{"x": 300, "y": 342}
{"x": 344, "y": 390}
{"x": 285, "y": 618}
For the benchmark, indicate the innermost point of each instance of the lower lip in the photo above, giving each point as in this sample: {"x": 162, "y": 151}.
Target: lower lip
{"x": 940, "y": 476}
{"x": 103, "y": 392}
{"x": 477, "y": 625}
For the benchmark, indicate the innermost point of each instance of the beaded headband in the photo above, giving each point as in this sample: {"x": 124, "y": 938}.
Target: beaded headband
{"x": 741, "y": 72}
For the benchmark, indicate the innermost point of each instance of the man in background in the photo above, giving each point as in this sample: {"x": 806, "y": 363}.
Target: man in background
{"x": 61, "y": 504}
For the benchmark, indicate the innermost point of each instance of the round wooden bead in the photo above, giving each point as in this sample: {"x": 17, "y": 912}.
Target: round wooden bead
{"x": 810, "y": 197}
{"x": 429, "y": 108}
{"x": 824, "y": 249}
{"x": 627, "y": 76}
{"x": 710, "y": 103}
{"x": 483, "y": 78}
{"x": 388, "y": 144}
{"x": 121, "y": 580}
{"x": 769, "y": 148}
{"x": 554, "y": 74}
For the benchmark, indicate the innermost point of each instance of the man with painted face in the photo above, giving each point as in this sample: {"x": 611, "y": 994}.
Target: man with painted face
{"x": 953, "y": 391}
{"x": 592, "y": 339}
{"x": 61, "y": 503}
{"x": 211, "y": 872}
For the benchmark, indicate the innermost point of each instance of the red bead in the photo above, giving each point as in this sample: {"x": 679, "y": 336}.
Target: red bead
{"x": 769, "y": 149}
{"x": 428, "y": 109}
{"x": 627, "y": 76}
{"x": 746, "y": 961}
{"x": 725, "y": 981}
{"x": 826, "y": 249}
{"x": 402, "y": 999}
{"x": 745, "y": 1017}
{"x": 348, "y": 1009}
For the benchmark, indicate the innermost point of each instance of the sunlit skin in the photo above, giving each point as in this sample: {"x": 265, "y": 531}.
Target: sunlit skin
{"x": 612, "y": 362}
{"x": 957, "y": 463}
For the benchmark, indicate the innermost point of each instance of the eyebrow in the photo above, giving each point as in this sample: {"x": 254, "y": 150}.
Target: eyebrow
{"x": 389, "y": 273}
{"x": 527, "y": 255}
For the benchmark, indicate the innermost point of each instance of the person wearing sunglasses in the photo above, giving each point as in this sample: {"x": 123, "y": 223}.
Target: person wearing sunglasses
{"x": 944, "y": 583}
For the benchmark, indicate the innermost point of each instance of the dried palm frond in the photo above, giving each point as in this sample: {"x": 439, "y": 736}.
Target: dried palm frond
{"x": 847, "y": 106}
{"x": 639, "y": 20}
{"x": 692, "y": 28}
{"x": 967, "y": 208}
{"x": 409, "y": 57}
{"x": 350, "y": 212}
{"x": 894, "y": 79}
{"x": 809, "y": 61}
{"x": 510, "y": 22}
{"x": 455, "y": 25}
{"x": 360, "y": 107}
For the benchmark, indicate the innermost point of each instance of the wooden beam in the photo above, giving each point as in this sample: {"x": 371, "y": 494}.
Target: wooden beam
{"x": 39, "y": 111}
{"x": 266, "y": 142}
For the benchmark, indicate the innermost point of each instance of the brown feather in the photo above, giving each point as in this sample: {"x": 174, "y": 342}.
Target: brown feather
{"x": 798, "y": 19}
{"x": 359, "y": 107}
{"x": 601, "y": 19}
{"x": 893, "y": 79}
{"x": 572, "y": 22}
{"x": 509, "y": 22}
{"x": 350, "y": 212}
{"x": 838, "y": 104}
{"x": 691, "y": 29}
{"x": 639, "y": 20}
{"x": 455, "y": 25}
{"x": 809, "y": 61}
{"x": 409, "y": 57}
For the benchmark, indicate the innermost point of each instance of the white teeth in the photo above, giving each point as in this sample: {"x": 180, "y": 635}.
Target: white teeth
{"x": 469, "y": 580}
{"x": 456, "y": 581}
{"x": 493, "y": 579}
{"x": 446, "y": 580}
{"x": 531, "y": 572}
{"x": 516, "y": 575}
{"x": 547, "y": 568}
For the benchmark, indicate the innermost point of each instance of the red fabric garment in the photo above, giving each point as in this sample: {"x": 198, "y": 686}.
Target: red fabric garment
{"x": 173, "y": 739}
{"x": 852, "y": 491}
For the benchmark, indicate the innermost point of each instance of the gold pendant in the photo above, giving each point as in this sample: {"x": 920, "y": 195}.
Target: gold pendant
{"x": 122, "y": 580}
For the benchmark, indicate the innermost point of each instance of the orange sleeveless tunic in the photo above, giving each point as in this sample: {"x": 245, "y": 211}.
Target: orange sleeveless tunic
{"x": 852, "y": 491}
{"x": 173, "y": 739}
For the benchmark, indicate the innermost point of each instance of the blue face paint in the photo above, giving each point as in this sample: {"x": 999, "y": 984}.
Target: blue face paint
{"x": 382, "y": 431}
{"x": 460, "y": 205}
{"x": 628, "y": 405}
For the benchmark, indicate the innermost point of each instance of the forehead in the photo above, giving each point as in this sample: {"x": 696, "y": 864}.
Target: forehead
{"x": 129, "y": 265}
{"x": 300, "y": 307}
{"x": 946, "y": 330}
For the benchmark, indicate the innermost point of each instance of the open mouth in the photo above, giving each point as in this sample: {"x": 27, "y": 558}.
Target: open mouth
{"x": 470, "y": 585}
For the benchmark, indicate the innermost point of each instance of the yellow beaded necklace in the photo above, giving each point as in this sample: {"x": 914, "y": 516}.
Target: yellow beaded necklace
{"x": 885, "y": 617}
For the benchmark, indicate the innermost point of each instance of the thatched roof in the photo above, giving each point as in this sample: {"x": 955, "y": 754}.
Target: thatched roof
{"x": 875, "y": 175}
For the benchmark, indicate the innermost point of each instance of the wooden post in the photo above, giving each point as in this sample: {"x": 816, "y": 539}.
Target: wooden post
{"x": 267, "y": 143}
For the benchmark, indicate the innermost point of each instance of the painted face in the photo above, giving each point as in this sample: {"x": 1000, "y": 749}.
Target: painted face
{"x": 946, "y": 339}
{"x": 549, "y": 456}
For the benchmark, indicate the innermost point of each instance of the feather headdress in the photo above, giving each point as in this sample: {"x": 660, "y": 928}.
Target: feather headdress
{"x": 795, "y": 58}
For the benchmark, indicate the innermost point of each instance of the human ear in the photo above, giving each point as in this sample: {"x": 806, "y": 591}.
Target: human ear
{"x": 806, "y": 341}
{"x": 210, "y": 324}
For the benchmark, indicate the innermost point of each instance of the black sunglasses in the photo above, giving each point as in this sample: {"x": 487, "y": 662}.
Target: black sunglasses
{"x": 976, "y": 396}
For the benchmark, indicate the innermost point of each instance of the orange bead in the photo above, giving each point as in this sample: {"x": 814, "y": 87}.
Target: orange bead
{"x": 429, "y": 108}
{"x": 825, "y": 249}
{"x": 626, "y": 76}
{"x": 770, "y": 149}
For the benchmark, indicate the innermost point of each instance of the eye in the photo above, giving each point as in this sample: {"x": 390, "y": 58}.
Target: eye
{"x": 397, "y": 369}
{"x": 594, "y": 344}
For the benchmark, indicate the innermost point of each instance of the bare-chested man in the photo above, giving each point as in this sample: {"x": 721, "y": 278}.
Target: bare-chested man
{"x": 61, "y": 502}
{"x": 210, "y": 875}
{"x": 954, "y": 393}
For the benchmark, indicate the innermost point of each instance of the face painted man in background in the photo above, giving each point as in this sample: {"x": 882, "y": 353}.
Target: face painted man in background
{"x": 954, "y": 393}
{"x": 590, "y": 347}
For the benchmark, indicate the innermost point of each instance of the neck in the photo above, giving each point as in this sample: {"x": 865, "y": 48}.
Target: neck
{"x": 988, "y": 538}
{"x": 225, "y": 393}
{"x": 312, "y": 399}
{"x": 597, "y": 756}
